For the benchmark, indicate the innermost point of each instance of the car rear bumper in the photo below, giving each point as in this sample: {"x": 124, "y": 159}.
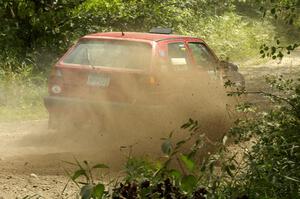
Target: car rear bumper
{"x": 60, "y": 103}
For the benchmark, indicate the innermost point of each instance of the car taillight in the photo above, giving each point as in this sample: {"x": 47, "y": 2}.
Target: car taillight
{"x": 56, "y": 89}
{"x": 153, "y": 81}
{"x": 55, "y": 81}
{"x": 58, "y": 73}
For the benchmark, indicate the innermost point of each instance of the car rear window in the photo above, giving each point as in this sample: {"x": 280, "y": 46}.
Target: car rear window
{"x": 109, "y": 53}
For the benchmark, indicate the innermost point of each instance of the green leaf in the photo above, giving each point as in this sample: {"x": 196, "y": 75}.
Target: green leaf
{"x": 166, "y": 147}
{"x": 203, "y": 165}
{"x": 179, "y": 144}
{"x": 175, "y": 174}
{"x": 278, "y": 41}
{"x": 86, "y": 192}
{"x": 185, "y": 126}
{"x": 273, "y": 10}
{"x": 273, "y": 50}
{"x": 78, "y": 173}
{"x": 188, "y": 183}
{"x": 232, "y": 167}
{"x": 188, "y": 163}
{"x": 228, "y": 171}
{"x": 171, "y": 135}
{"x": 85, "y": 162}
{"x": 292, "y": 179}
{"x": 98, "y": 191}
{"x": 295, "y": 46}
{"x": 280, "y": 55}
{"x": 100, "y": 166}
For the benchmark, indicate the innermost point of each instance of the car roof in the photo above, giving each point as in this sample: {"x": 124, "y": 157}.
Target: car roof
{"x": 137, "y": 36}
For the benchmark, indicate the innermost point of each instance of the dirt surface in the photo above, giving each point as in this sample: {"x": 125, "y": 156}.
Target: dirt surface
{"x": 26, "y": 168}
{"x": 32, "y": 157}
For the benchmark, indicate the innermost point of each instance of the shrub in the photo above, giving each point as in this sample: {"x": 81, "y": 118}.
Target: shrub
{"x": 273, "y": 163}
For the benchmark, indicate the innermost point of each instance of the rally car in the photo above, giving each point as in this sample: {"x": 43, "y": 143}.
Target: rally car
{"x": 105, "y": 73}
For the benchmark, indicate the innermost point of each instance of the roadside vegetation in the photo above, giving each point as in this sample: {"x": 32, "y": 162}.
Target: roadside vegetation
{"x": 21, "y": 95}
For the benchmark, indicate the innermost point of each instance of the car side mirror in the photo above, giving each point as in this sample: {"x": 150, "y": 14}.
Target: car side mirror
{"x": 227, "y": 66}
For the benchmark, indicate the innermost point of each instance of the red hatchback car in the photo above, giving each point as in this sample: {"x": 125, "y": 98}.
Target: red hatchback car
{"x": 104, "y": 72}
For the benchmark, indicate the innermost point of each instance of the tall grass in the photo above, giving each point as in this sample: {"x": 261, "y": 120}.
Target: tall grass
{"x": 21, "y": 93}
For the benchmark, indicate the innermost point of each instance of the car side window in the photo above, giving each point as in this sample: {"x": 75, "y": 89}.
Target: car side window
{"x": 178, "y": 57}
{"x": 202, "y": 55}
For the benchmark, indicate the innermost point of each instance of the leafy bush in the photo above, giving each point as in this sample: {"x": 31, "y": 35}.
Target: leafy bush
{"x": 273, "y": 162}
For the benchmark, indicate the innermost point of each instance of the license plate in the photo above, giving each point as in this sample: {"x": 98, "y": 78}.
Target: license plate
{"x": 100, "y": 80}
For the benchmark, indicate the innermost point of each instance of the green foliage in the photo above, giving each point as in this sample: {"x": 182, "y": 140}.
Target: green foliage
{"x": 231, "y": 35}
{"x": 40, "y": 31}
{"x": 274, "y": 159}
{"x": 191, "y": 178}
{"x": 285, "y": 10}
{"x": 89, "y": 188}
{"x": 35, "y": 29}
{"x": 35, "y": 22}
{"x": 286, "y": 14}
{"x": 21, "y": 94}
{"x": 130, "y": 15}
{"x": 139, "y": 169}
{"x": 276, "y": 52}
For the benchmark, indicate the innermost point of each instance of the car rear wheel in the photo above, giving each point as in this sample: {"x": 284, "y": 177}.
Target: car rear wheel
{"x": 75, "y": 121}
{"x": 236, "y": 78}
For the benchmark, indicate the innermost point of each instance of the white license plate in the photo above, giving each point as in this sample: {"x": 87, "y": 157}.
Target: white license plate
{"x": 101, "y": 80}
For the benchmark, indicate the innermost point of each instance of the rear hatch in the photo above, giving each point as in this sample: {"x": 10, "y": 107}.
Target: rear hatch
{"x": 104, "y": 69}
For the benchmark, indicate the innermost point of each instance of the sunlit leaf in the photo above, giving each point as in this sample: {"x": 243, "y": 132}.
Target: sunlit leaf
{"x": 188, "y": 183}
{"x": 79, "y": 173}
{"x": 100, "y": 166}
{"x": 175, "y": 174}
{"x": 98, "y": 191}
{"x": 188, "y": 163}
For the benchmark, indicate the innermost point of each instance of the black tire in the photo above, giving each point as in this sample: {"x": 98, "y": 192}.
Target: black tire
{"x": 236, "y": 78}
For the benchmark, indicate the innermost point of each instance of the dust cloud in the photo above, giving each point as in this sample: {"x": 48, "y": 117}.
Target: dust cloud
{"x": 108, "y": 133}
{"x": 132, "y": 114}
